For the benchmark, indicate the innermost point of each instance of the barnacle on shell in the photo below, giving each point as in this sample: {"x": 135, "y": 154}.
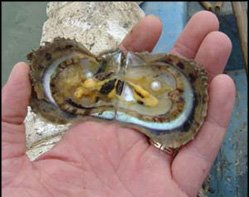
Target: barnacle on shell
{"x": 161, "y": 95}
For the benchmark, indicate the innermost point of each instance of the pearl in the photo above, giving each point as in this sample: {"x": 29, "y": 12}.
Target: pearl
{"x": 88, "y": 75}
{"x": 155, "y": 85}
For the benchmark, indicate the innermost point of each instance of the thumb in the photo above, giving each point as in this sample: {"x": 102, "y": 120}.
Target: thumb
{"x": 15, "y": 99}
{"x": 16, "y": 94}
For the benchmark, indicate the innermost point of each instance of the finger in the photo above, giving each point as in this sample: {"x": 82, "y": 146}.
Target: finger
{"x": 214, "y": 52}
{"x": 193, "y": 34}
{"x": 192, "y": 164}
{"x": 143, "y": 36}
{"x": 16, "y": 94}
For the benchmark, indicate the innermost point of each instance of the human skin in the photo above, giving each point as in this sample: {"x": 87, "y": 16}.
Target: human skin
{"x": 104, "y": 159}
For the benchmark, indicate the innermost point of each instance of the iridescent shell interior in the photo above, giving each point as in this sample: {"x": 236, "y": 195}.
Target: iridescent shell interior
{"x": 161, "y": 95}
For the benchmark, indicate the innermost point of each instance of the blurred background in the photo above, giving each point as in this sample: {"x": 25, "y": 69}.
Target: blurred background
{"x": 22, "y": 30}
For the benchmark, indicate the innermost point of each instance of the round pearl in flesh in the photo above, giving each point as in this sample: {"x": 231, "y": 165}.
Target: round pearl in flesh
{"x": 155, "y": 85}
{"x": 88, "y": 74}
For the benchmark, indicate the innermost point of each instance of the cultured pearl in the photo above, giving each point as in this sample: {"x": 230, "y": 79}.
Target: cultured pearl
{"x": 155, "y": 85}
{"x": 88, "y": 75}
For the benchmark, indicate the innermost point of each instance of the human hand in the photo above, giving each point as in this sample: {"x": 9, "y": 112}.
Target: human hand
{"x": 104, "y": 159}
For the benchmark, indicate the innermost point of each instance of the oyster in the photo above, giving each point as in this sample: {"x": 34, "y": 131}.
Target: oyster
{"x": 161, "y": 95}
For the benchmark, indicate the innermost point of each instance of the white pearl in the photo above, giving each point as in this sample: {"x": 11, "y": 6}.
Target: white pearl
{"x": 88, "y": 75}
{"x": 155, "y": 85}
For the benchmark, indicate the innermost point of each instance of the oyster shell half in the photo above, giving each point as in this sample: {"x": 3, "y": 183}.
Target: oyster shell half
{"x": 162, "y": 95}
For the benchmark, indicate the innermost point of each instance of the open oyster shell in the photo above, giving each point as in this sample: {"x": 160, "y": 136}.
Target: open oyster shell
{"x": 163, "y": 96}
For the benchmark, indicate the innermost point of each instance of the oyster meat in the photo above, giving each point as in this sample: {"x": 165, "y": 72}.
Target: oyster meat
{"x": 161, "y": 95}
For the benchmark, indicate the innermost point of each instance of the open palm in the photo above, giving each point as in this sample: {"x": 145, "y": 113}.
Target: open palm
{"x": 104, "y": 159}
